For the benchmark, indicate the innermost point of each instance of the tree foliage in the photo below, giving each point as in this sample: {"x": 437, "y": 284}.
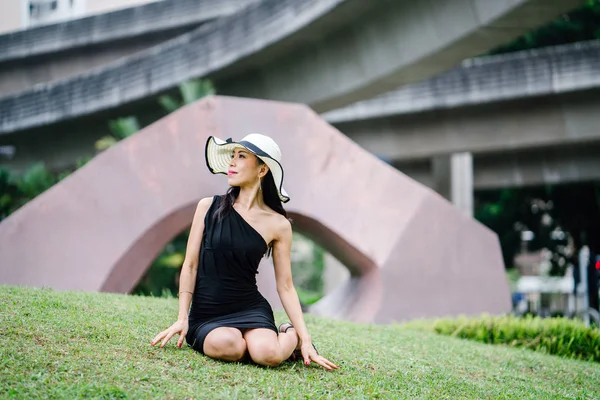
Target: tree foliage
{"x": 578, "y": 25}
{"x": 554, "y": 214}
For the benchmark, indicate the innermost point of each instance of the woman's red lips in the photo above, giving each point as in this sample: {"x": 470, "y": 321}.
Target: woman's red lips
{"x": 230, "y": 172}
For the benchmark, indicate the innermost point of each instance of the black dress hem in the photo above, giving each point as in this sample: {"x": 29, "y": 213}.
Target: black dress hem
{"x": 255, "y": 317}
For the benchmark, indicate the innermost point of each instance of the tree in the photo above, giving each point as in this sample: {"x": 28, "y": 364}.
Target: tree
{"x": 555, "y": 214}
{"x": 578, "y": 25}
{"x": 189, "y": 92}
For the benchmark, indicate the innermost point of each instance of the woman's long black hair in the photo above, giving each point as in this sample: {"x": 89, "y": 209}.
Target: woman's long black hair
{"x": 270, "y": 197}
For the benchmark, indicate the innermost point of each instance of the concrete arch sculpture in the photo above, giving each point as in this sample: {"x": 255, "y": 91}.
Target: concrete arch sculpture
{"x": 409, "y": 251}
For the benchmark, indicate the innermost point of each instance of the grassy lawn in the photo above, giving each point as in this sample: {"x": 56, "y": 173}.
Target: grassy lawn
{"x": 86, "y": 345}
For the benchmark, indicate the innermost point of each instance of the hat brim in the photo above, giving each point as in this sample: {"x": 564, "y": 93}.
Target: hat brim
{"x": 218, "y": 155}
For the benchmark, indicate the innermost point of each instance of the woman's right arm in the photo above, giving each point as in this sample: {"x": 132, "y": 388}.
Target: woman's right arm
{"x": 187, "y": 277}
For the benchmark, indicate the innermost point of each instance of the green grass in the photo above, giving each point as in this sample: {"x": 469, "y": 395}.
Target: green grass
{"x": 85, "y": 345}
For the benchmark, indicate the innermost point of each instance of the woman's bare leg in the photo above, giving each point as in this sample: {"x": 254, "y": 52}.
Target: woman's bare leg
{"x": 269, "y": 349}
{"x": 225, "y": 344}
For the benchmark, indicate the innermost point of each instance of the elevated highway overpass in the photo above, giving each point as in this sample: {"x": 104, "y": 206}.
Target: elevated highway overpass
{"x": 525, "y": 118}
{"x": 53, "y": 52}
{"x": 533, "y": 167}
{"x": 327, "y": 54}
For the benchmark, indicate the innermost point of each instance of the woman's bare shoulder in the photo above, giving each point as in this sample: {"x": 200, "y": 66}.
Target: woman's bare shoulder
{"x": 203, "y": 205}
{"x": 280, "y": 223}
{"x": 206, "y": 201}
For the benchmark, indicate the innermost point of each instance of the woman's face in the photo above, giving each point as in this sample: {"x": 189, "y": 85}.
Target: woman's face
{"x": 244, "y": 168}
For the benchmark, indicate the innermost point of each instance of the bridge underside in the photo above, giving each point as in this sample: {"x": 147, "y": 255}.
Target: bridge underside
{"x": 567, "y": 164}
{"x": 541, "y": 122}
{"x": 530, "y": 142}
{"x": 324, "y": 54}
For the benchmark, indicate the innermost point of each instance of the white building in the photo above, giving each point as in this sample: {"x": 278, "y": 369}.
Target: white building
{"x": 23, "y": 14}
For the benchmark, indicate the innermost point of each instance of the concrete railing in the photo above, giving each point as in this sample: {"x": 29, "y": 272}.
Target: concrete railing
{"x": 538, "y": 72}
{"x": 145, "y": 19}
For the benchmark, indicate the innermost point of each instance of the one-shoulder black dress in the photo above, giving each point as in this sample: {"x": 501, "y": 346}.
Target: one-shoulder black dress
{"x": 225, "y": 293}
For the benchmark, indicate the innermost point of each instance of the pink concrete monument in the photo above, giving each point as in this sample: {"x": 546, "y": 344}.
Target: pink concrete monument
{"x": 410, "y": 252}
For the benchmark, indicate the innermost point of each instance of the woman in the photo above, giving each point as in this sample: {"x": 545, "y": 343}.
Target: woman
{"x": 229, "y": 319}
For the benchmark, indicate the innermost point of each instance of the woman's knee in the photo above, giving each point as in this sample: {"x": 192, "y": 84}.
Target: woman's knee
{"x": 266, "y": 354}
{"x": 226, "y": 344}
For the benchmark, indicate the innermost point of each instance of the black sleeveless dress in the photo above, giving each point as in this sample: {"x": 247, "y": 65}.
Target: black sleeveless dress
{"x": 226, "y": 294}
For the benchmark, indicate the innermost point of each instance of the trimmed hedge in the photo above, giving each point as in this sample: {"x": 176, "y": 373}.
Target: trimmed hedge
{"x": 558, "y": 336}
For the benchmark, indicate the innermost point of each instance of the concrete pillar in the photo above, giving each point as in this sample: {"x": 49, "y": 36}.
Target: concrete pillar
{"x": 453, "y": 179}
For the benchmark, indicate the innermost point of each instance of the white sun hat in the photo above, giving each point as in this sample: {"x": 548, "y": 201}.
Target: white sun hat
{"x": 218, "y": 155}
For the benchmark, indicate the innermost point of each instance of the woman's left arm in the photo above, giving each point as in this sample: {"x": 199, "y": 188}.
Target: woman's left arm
{"x": 289, "y": 298}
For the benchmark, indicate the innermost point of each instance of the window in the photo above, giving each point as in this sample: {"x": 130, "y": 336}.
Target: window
{"x": 42, "y": 9}
{"x": 41, "y": 12}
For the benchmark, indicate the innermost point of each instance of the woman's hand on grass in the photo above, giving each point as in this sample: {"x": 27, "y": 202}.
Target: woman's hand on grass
{"x": 309, "y": 353}
{"x": 180, "y": 327}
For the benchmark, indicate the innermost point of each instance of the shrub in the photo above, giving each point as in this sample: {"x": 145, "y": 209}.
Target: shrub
{"x": 558, "y": 336}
